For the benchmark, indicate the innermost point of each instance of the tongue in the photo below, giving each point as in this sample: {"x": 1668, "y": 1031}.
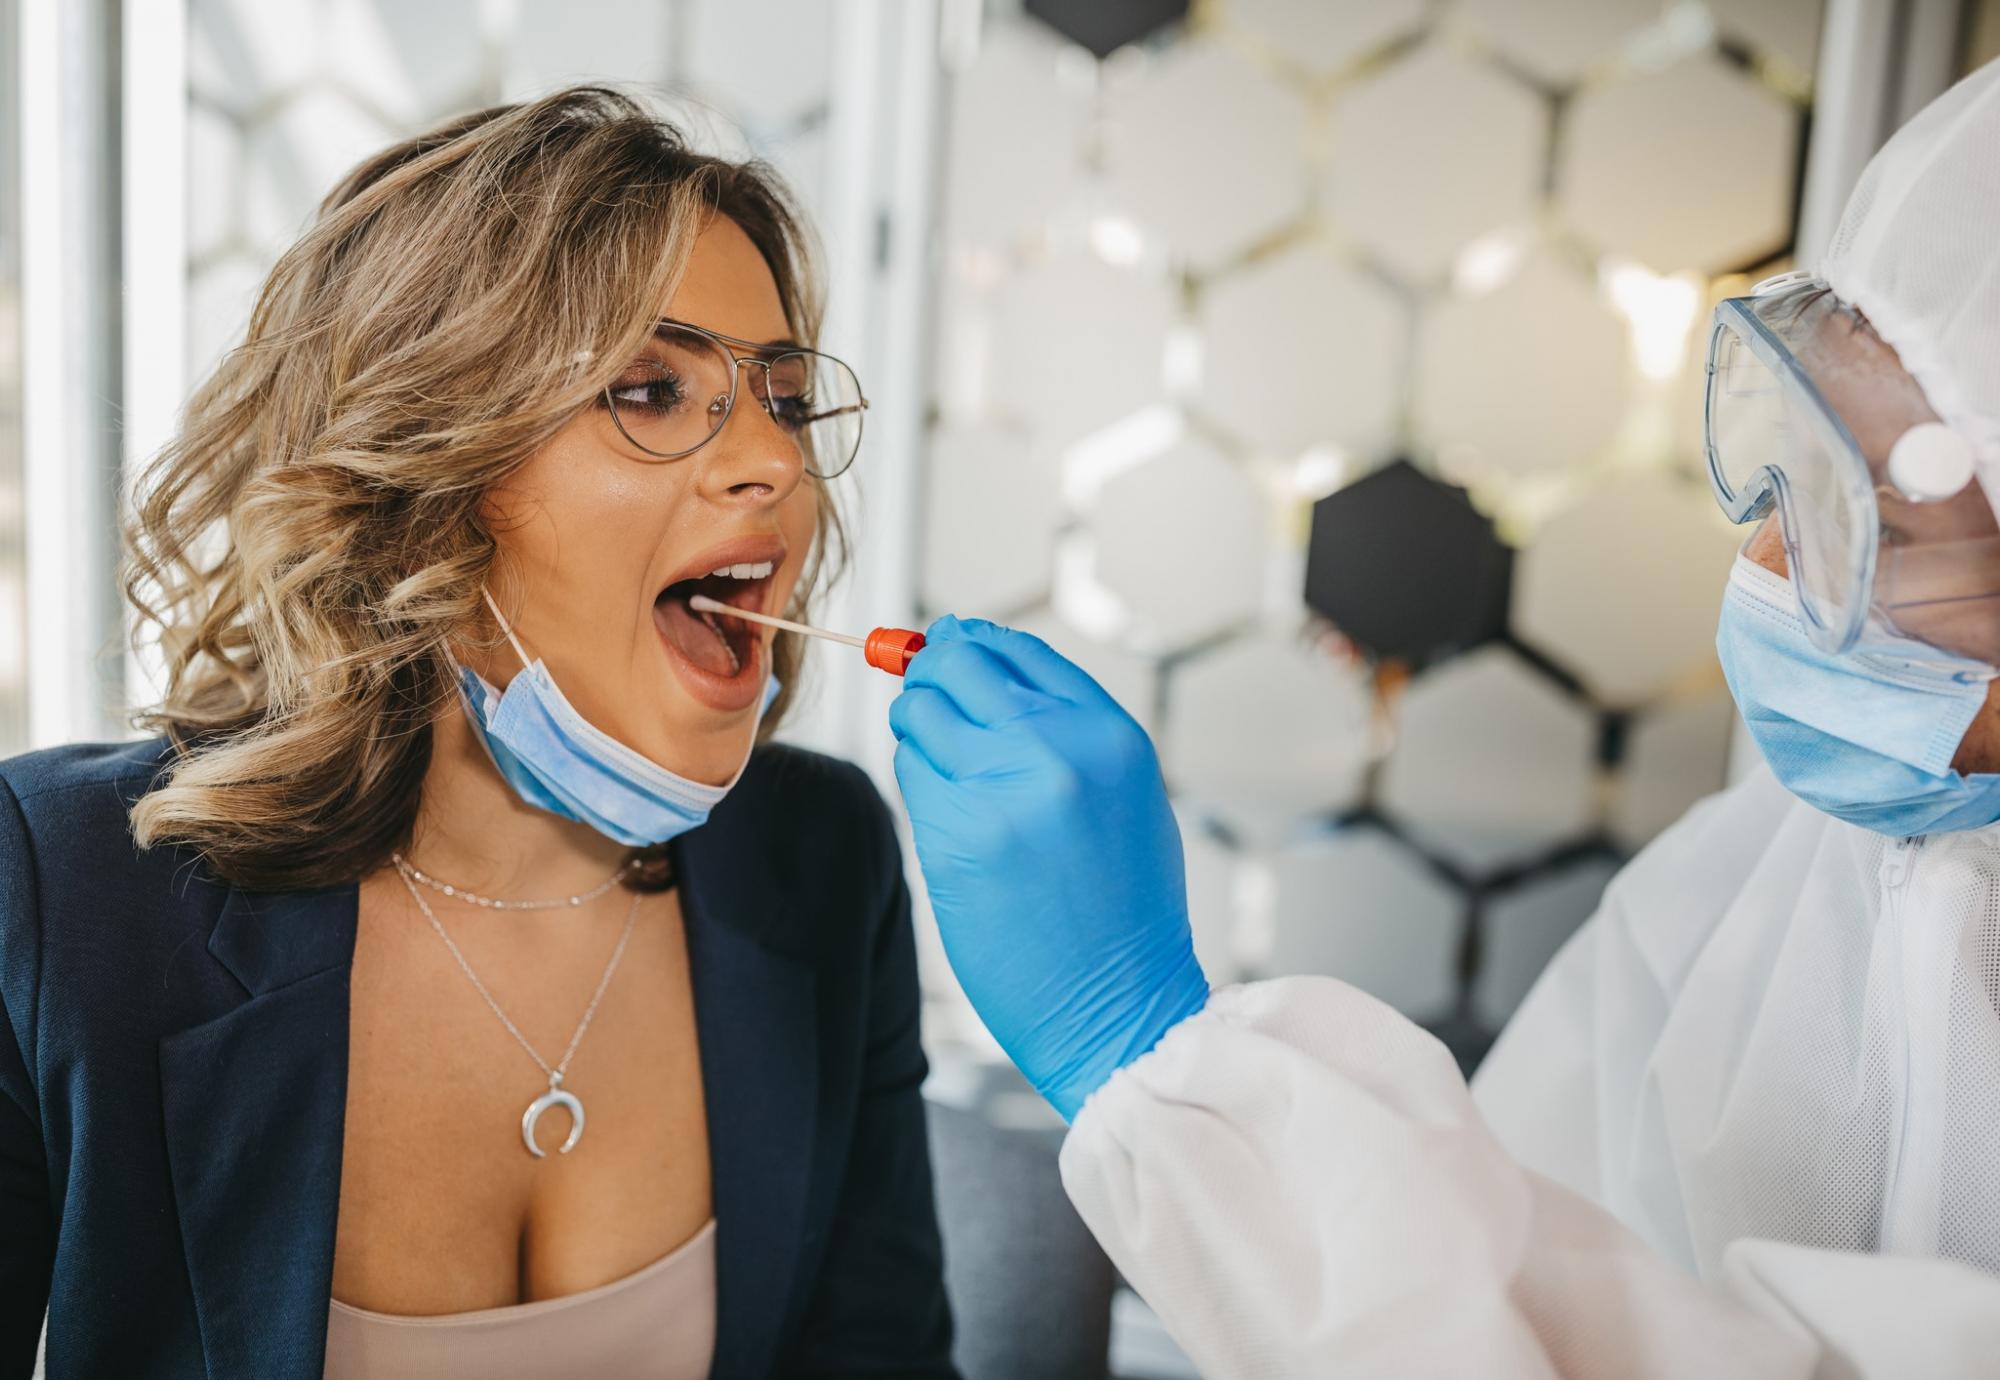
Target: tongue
{"x": 693, "y": 638}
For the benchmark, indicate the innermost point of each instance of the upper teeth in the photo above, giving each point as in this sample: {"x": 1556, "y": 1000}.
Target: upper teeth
{"x": 761, "y": 570}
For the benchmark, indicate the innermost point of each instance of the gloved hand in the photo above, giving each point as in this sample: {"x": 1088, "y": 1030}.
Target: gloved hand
{"x": 1052, "y": 858}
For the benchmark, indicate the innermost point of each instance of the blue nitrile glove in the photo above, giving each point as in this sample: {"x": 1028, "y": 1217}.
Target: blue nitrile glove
{"x": 1052, "y": 858}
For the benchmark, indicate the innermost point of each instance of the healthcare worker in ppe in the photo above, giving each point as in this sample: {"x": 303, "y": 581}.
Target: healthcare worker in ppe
{"x": 1746, "y": 1124}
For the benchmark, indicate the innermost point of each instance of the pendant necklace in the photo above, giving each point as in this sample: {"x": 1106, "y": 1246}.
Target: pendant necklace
{"x": 557, "y": 1095}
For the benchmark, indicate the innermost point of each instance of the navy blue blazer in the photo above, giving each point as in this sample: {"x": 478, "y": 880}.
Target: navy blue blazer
{"x": 173, "y": 1081}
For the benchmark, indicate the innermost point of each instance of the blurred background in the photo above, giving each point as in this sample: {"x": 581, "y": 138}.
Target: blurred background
{"x": 1324, "y": 375}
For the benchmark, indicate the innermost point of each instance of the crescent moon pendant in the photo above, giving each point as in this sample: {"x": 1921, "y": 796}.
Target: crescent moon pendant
{"x": 554, "y": 1097}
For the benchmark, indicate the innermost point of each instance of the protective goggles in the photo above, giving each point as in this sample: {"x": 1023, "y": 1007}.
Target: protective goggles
{"x": 1884, "y": 525}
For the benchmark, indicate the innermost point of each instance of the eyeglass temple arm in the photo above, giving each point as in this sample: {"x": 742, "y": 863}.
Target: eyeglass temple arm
{"x": 861, "y": 406}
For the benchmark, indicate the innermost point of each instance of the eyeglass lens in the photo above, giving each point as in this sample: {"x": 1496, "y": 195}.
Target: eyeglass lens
{"x": 676, "y": 395}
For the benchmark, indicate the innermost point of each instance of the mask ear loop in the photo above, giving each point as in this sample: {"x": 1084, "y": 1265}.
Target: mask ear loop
{"x": 505, "y": 627}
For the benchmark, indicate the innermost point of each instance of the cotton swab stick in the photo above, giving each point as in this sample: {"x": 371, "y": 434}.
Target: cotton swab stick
{"x": 886, "y": 649}
{"x": 701, "y": 603}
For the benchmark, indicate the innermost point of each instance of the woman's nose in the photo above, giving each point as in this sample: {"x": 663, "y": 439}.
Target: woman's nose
{"x": 752, "y": 457}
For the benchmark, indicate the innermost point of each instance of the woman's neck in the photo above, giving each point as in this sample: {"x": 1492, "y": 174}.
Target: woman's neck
{"x": 474, "y": 832}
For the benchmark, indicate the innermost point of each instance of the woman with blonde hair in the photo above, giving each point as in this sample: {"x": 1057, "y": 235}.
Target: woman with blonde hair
{"x": 455, "y": 987}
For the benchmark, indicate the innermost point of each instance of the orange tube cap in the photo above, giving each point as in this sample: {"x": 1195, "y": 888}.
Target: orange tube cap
{"x": 890, "y": 649}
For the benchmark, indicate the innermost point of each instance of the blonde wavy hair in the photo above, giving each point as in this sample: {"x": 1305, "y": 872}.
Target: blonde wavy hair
{"x": 311, "y": 543}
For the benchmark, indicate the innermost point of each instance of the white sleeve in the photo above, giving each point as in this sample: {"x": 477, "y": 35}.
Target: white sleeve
{"x": 1298, "y": 1181}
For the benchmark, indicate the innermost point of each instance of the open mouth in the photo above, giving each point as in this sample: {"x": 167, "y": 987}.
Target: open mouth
{"x": 722, "y": 647}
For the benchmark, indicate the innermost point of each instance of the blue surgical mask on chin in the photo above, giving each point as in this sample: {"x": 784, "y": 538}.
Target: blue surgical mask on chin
{"x": 1867, "y": 735}
{"x": 556, "y": 760}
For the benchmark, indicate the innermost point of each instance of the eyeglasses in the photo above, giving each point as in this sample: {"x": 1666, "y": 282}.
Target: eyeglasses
{"x": 674, "y": 398}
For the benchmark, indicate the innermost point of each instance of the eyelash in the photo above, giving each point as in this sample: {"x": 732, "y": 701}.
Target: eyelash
{"x": 799, "y": 406}
{"x": 620, "y": 392}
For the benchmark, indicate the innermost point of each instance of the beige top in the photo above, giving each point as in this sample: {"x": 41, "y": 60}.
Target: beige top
{"x": 656, "y": 1324}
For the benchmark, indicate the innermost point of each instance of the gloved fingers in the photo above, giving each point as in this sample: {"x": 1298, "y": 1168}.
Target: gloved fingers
{"x": 919, "y": 781}
{"x": 935, "y": 801}
{"x": 927, "y": 722}
{"x": 986, "y": 689}
{"x": 1032, "y": 660}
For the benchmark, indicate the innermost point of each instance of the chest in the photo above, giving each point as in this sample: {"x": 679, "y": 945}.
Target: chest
{"x": 442, "y": 1207}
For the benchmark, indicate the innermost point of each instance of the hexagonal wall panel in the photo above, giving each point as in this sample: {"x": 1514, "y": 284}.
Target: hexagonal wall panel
{"x": 1105, "y": 27}
{"x": 1131, "y": 680}
{"x": 1406, "y": 567}
{"x": 1784, "y": 28}
{"x": 1688, "y": 397}
{"x": 1327, "y": 37}
{"x": 218, "y": 310}
{"x": 1556, "y": 40}
{"x": 1303, "y": 351}
{"x": 242, "y": 53}
{"x": 293, "y": 159}
{"x": 1361, "y": 907}
{"x": 1264, "y": 729}
{"x": 1529, "y": 377}
{"x": 1016, "y": 140}
{"x": 1522, "y": 928}
{"x": 1476, "y": 133}
{"x": 1181, "y": 540}
{"x": 1674, "y": 756}
{"x": 801, "y": 159}
{"x": 552, "y": 45}
{"x": 215, "y": 168}
{"x": 1624, "y": 588}
{"x": 1492, "y": 762}
{"x": 412, "y": 61}
{"x": 1211, "y": 895}
{"x": 989, "y": 539}
{"x": 1207, "y": 151}
{"x": 732, "y": 56}
{"x": 1641, "y": 173}
{"x": 1077, "y": 344}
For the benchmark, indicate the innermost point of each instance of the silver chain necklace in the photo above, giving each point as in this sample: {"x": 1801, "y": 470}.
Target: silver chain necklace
{"x": 411, "y": 871}
{"x": 557, "y": 1095}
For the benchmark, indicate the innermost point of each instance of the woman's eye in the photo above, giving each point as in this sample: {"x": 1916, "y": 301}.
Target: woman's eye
{"x": 792, "y": 409}
{"x": 653, "y": 390}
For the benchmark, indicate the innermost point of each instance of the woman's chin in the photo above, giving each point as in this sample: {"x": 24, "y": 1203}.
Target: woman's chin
{"x": 707, "y": 749}
{"x": 695, "y": 739}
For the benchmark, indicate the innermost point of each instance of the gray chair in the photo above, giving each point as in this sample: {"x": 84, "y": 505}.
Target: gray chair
{"x": 1030, "y": 1290}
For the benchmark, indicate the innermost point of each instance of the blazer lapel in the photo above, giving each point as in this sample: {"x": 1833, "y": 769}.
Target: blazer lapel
{"x": 756, "y": 1018}
{"x": 255, "y": 1104}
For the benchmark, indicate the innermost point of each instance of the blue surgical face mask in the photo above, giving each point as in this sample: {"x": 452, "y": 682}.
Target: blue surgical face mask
{"x": 1866, "y": 735}
{"x": 556, "y": 760}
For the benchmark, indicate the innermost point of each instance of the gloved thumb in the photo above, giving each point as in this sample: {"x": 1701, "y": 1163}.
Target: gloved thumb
{"x": 1033, "y": 660}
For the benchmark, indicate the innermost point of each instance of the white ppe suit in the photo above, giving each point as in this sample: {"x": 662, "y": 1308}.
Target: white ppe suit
{"x": 1776, "y": 1041}
{"x": 1747, "y": 1124}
